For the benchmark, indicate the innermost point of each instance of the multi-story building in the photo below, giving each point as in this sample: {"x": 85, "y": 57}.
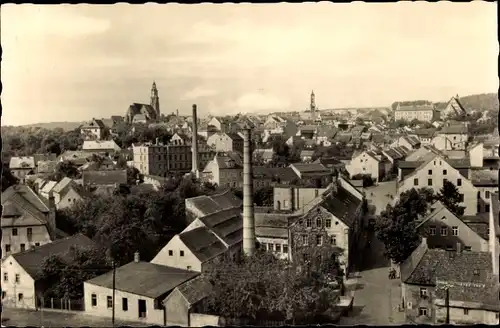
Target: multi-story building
{"x": 27, "y": 220}
{"x": 432, "y": 171}
{"x": 93, "y": 130}
{"x": 372, "y": 163}
{"x": 424, "y": 113}
{"x": 226, "y": 142}
{"x": 453, "y": 137}
{"x": 225, "y": 171}
{"x": 453, "y": 108}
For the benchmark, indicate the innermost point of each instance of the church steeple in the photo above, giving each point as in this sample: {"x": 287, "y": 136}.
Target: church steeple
{"x": 312, "y": 106}
{"x": 155, "y": 100}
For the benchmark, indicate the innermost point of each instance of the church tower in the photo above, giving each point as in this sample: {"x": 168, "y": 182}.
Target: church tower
{"x": 312, "y": 106}
{"x": 155, "y": 100}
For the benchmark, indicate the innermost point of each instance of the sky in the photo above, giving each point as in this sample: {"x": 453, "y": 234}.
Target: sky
{"x": 75, "y": 62}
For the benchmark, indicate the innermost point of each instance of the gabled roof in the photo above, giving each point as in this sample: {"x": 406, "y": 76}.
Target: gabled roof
{"x": 196, "y": 289}
{"x": 454, "y": 129}
{"x": 94, "y": 123}
{"x": 144, "y": 279}
{"x": 310, "y": 168}
{"x": 62, "y": 185}
{"x": 227, "y": 225}
{"x": 428, "y": 265}
{"x": 484, "y": 294}
{"x": 25, "y": 197}
{"x": 342, "y": 204}
{"x": 281, "y": 173}
{"x": 31, "y": 260}
{"x": 23, "y": 162}
{"x": 202, "y": 243}
{"x": 215, "y": 203}
{"x": 48, "y": 186}
{"x": 413, "y": 141}
{"x": 271, "y": 225}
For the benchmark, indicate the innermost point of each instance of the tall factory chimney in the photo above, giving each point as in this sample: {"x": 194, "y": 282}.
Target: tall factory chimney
{"x": 194, "y": 149}
{"x": 248, "y": 216}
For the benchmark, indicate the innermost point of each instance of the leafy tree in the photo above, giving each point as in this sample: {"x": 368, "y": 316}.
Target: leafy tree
{"x": 263, "y": 196}
{"x": 66, "y": 273}
{"x": 133, "y": 175}
{"x": 451, "y": 198}
{"x": 65, "y": 169}
{"x": 397, "y": 226}
{"x": 7, "y": 178}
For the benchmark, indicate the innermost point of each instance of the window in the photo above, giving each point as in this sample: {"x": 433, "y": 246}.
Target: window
{"x": 445, "y": 172}
{"x": 305, "y": 242}
{"x": 328, "y": 223}
{"x": 14, "y": 232}
{"x": 170, "y": 252}
{"x": 18, "y": 278}
{"x": 285, "y": 249}
{"x": 415, "y": 182}
{"x": 142, "y": 308}
{"x": 94, "y": 299}
{"x": 234, "y": 258}
{"x": 5, "y": 276}
{"x": 264, "y": 246}
{"x": 333, "y": 240}
{"x": 432, "y": 231}
{"x": 181, "y": 253}
{"x": 319, "y": 222}
{"x": 430, "y": 172}
{"x": 37, "y": 244}
{"x": 423, "y": 292}
{"x": 449, "y": 247}
{"x": 29, "y": 232}
{"x": 319, "y": 240}
{"x": 23, "y": 247}
{"x": 468, "y": 248}
{"x": 277, "y": 248}
{"x": 461, "y": 198}
{"x": 487, "y": 208}
{"x": 271, "y": 247}
{"x": 7, "y": 248}
{"x": 109, "y": 302}
{"x": 316, "y": 193}
{"x": 4, "y": 294}
{"x": 20, "y": 297}
{"x": 444, "y": 231}
{"x": 422, "y": 311}
{"x": 454, "y": 231}
{"x": 308, "y": 222}
{"x": 429, "y": 182}
{"x": 444, "y": 181}
{"x": 476, "y": 272}
{"x": 459, "y": 182}
{"x": 487, "y": 194}
{"x": 466, "y": 311}
{"x": 478, "y": 195}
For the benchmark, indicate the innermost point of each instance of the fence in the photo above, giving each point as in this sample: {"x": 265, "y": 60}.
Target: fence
{"x": 61, "y": 304}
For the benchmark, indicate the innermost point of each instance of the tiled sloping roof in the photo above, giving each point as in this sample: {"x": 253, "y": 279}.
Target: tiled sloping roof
{"x": 459, "y": 163}
{"x": 486, "y": 294}
{"x": 425, "y": 133}
{"x": 393, "y": 154}
{"x": 412, "y": 262}
{"x": 310, "y": 167}
{"x": 308, "y": 128}
{"x": 93, "y": 124}
{"x": 327, "y": 132}
{"x": 447, "y": 265}
{"x": 414, "y": 141}
{"x": 99, "y": 145}
{"x": 46, "y": 166}
{"x": 144, "y": 279}
{"x": 227, "y": 200}
{"x": 343, "y": 205}
{"x": 48, "y": 186}
{"x": 202, "y": 243}
{"x": 409, "y": 165}
{"x": 223, "y": 162}
{"x": 196, "y": 289}
{"x": 306, "y": 153}
{"x": 281, "y": 173}
{"x": 59, "y": 187}
{"x": 24, "y": 195}
{"x": 23, "y": 162}
{"x": 44, "y": 157}
{"x": 342, "y": 137}
{"x": 31, "y": 260}
{"x": 215, "y": 203}
{"x": 454, "y": 129}
{"x": 227, "y": 225}
{"x": 265, "y": 153}
{"x": 104, "y": 177}
{"x": 269, "y": 225}
{"x": 235, "y": 136}
{"x": 484, "y": 177}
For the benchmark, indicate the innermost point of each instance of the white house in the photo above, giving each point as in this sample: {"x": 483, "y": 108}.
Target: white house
{"x": 224, "y": 170}
{"x": 370, "y": 163}
{"x": 100, "y": 146}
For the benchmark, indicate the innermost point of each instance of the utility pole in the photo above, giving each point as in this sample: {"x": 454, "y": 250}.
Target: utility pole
{"x": 447, "y": 304}
{"x": 113, "y": 305}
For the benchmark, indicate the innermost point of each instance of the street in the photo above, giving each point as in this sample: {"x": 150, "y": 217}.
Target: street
{"x": 26, "y": 318}
{"x": 376, "y": 298}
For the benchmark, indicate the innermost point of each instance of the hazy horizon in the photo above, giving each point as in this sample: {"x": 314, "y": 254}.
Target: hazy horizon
{"x": 74, "y": 62}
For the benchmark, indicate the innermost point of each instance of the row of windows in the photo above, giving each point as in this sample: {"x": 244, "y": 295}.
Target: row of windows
{"x": 278, "y": 248}
{"x": 486, "y": 194}
{"x": 109, "y": 304}
{"x": 20, "y": 296}
{"x": 429, "y": 181}
{"x": 8, "y": 247}
{"x": 319, "y": 222}
{"x": 423, "y": 311}
{"x": 319, "y": 240}
{"x": 29, "y": 231}
{"x": 171, "y": 253}
{"x": 6, "y": 277}
{"x": 443, "y": 231}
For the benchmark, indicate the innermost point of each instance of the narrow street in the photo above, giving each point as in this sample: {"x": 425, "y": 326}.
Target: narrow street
{"x": 376, "y": 297}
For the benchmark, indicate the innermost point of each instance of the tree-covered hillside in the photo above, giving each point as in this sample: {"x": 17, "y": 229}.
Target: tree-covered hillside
{"x": 481, "y": 102}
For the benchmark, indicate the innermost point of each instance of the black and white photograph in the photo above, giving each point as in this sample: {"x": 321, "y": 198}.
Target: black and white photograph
{"x": 250, "y": 164}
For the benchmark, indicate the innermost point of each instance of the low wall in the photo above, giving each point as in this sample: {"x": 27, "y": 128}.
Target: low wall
{"x": 201, "y": 320}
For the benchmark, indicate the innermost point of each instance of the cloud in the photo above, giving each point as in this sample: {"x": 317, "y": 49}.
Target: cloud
{"x": 198, "y": 92}
{"x": 257, "y": 102}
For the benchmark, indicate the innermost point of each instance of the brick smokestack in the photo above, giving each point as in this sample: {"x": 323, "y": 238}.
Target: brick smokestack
{"x": 248, "y": 215}
{"x": 195, "y": 168}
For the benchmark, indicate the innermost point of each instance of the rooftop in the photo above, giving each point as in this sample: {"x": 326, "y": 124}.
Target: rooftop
{"x": 202, "y": 243}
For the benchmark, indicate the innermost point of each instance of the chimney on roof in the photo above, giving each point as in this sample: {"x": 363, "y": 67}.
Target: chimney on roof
{"x": 194, "y": 150}
{"x": 137, "y": 257}
{"x": 248, "y": 210}
{"x": 459, "y": 248}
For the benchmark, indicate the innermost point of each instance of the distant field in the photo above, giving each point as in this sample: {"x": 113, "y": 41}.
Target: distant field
{"x": 66, "y": 126}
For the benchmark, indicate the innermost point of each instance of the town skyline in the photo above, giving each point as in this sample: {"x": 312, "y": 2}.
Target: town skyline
{"x": 232, "y": 60}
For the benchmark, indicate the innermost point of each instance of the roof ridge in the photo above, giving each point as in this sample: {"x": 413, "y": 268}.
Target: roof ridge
{"x": 52, "y": 243}
{"x": 423, "y": 244}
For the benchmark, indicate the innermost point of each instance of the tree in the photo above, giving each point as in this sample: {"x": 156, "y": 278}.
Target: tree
{"x": 397, "y": 225}
{"x": 263, "y": 287}
{"x": 7, "y": 178}
{"x": 451, "y": 198}
{"x": 65, "y": 169}
{"x": 263, "y": 196}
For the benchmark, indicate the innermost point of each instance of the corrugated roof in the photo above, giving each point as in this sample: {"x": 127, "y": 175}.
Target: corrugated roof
{"x": 31, "y": 260}
{"x": 144, "y": 279}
